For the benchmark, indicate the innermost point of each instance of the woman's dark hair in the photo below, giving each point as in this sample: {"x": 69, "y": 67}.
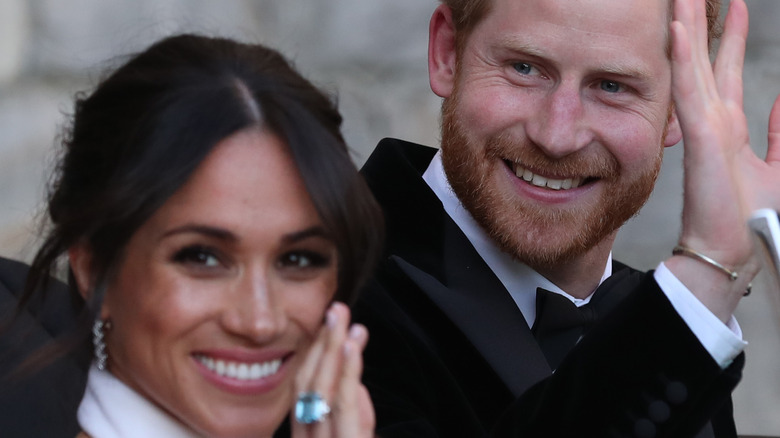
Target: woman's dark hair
{"x": 140, "y": 135}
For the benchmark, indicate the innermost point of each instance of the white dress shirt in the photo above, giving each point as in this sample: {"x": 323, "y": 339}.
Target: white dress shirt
{"x": 723, "y": 342}
{"x": 111, "y": 409}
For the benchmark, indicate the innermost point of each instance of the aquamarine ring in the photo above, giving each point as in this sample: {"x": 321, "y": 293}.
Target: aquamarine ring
{"x": 311, "y": 408}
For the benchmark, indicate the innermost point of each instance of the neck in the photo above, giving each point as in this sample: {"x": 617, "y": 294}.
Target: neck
{"x": 580, "y": 276}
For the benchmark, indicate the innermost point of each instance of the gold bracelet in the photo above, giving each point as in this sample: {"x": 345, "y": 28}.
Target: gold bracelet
{"x": 682, "y": 250}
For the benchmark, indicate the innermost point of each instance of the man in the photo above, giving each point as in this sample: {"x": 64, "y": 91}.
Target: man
{"x": 44, "y": 402}
{"x": 555, "y": 116}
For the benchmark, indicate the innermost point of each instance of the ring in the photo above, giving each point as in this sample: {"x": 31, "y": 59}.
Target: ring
{"x": 311, "y": 408}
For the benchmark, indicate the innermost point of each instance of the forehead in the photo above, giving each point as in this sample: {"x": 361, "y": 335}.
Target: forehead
{"x": 249, "y": 185}
{"x": 635, "y": 25}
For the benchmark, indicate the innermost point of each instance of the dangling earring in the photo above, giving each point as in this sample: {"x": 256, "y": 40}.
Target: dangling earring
{"x": 100, "y": 345}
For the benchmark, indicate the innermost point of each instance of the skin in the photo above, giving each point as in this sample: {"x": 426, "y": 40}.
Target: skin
{"x": 567, "y": 90}
{"x": 724, "y": 179}
{"x": 234, "y": 266}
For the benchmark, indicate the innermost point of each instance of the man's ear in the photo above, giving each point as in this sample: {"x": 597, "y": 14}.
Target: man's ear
{"x": 442, "y": 54}
{"x": 80, "y": 258}
{"x": 673, "y": 130}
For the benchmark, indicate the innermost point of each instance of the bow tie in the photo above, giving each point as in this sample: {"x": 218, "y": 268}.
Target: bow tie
{"x": 560, "y": 324}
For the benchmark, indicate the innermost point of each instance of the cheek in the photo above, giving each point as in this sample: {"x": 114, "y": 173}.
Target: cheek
{"x": 633, "y": 141}
{"x": 307, "y": 303}
{"x": 488, "y": 110}
{"x": 138, "y": 295}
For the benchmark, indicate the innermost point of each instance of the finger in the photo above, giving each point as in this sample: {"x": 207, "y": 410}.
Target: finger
{"x": 731, "y": 54}
{"x": 328, "y": 371}
{"x": 691, "y": 14}
{"x": 773, "y": 152}
{"x": 309, "y": 366}
{"x": 355, "y": 416}
{"x": 699, "y": 30}
{"x": 329, "y": 367}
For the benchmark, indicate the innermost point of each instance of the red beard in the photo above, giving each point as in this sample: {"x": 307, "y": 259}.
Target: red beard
{"x": 540, "y": 236}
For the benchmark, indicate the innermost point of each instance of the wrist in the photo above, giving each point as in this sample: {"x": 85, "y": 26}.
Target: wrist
{"x": 711, "y": 285}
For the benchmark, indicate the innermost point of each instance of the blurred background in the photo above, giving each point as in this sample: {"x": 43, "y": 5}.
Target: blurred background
{"x": 372, "y": 54}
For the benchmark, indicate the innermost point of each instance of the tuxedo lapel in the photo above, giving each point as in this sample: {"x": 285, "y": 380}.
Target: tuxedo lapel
{"x": 435, "y": 254}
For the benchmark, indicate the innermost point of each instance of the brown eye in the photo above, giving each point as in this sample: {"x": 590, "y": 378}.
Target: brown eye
{"x": 197, "y": 255}
{"x": 303, "y": 260}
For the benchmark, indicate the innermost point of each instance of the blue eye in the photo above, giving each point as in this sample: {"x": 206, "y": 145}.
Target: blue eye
{"x": 523, "y": 68}
{"x": 611, "y": 86}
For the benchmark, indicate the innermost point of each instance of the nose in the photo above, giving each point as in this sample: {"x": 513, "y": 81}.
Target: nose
{"x": 254, "y": 311}
{"x": 559, "y": 126}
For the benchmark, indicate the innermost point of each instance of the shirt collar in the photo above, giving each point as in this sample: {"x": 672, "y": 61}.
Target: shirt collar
{"x": 111, "y": 408}
{"x": 520, "y": 280}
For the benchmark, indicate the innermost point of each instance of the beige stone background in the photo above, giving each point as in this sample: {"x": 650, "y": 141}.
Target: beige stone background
{"x": 373, "y": 53}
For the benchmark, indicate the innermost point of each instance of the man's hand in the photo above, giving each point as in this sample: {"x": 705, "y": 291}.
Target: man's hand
{"x": 724, "y": 179}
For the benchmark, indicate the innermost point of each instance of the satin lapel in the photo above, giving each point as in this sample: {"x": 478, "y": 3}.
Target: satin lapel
{"x": 475, "y": 301}
{"x": 432, "y": 251}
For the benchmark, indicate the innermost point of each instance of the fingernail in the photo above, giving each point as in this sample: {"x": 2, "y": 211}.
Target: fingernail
{"x": 347, "y": 348}
{"x": 355, "y": 331}
{"x": 330, "y": 318}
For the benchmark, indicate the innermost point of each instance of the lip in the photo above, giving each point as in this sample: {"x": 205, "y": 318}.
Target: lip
{"x": 244, "y": 387}
{"x": 547, "y": 195}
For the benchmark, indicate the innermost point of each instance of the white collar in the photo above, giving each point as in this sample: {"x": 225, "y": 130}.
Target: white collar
{"x": 520, "y": 280}
{"x": 111, "y": 409}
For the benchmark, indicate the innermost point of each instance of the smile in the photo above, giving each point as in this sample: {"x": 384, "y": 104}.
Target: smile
{"x": 541, "y": 181}
{"x": 240, "y": 370}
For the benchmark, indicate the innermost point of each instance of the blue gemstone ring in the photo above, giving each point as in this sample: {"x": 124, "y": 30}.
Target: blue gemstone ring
{"x": 311, "y": 408}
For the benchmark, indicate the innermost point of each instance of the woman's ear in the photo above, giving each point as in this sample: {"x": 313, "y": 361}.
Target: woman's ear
{"x": 80, "y": 258}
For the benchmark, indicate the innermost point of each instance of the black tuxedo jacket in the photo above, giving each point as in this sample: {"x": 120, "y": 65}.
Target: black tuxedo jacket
{"x": 450, "y": 354}
{"x": 43, "y": 404}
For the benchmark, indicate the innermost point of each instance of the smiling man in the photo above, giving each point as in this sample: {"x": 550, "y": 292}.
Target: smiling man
{"x": 498, "y": 269}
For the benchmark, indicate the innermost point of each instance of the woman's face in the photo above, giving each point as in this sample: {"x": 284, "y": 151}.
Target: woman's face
{"x": 222, "y": 290}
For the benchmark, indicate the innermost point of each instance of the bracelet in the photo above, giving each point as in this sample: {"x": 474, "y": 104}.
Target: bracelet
{"x": 681, "y": 250}
{"x": 733, "y": 275}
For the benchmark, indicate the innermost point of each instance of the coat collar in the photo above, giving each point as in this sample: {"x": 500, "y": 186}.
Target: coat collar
{"x": 433, "y": 252}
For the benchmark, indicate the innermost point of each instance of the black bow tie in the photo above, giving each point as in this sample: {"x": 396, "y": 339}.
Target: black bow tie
{"x": 560, "y": 324}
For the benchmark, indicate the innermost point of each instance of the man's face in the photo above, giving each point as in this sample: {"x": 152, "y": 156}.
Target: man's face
{"x": 554, "y": 127}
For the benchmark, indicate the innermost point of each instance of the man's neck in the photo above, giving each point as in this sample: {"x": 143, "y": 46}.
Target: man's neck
{"x": 580, "y": 276}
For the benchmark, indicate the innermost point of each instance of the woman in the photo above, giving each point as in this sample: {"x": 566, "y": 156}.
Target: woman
{"x": 211, "y": 216}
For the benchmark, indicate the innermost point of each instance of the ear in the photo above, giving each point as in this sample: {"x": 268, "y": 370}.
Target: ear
{"x": 673, "y": 130}
{"x": 442, "y": 55}
{"x": 80, "y": 258}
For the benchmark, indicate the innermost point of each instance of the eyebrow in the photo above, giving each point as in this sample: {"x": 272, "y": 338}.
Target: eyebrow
{"x": 218, "y": 233}
{"x": 222, "y": 234}
{"x": 628, "y": 71}
{"x": 315, "y": 231}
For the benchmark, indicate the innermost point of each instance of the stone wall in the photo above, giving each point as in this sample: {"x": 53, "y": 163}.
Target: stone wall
{"x": 373, "y": 54}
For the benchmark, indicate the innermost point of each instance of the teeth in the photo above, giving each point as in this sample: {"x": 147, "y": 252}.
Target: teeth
{"x": 240, "y": 370}
{"x": 540, "y": 181}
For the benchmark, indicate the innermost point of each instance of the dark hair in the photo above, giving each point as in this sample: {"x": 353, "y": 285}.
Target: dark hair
{"x": 139, "y": 136}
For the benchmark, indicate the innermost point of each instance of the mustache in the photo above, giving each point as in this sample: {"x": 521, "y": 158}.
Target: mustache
{"x": 588, "y": 162}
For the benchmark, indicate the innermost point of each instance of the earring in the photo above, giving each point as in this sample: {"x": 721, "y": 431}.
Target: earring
{"x": 100, "y": 345}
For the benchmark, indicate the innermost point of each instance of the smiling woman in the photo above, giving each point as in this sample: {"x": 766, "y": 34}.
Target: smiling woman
{"x": 212, "y": 215}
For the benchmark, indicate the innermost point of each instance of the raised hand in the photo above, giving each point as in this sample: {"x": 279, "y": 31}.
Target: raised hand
{"x": 724, "y": 180}
{"x": 332, "y": 371}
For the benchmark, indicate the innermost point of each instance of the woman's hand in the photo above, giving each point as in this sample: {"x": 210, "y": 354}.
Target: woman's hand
{"x": 332, "y": 370}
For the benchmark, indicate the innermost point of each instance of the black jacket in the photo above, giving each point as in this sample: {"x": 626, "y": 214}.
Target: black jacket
{"x": 450, "y": 354}
{"x": 43, "y": 404}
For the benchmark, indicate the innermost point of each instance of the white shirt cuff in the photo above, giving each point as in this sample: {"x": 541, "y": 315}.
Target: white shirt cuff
{"x": 723, "y": 341}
